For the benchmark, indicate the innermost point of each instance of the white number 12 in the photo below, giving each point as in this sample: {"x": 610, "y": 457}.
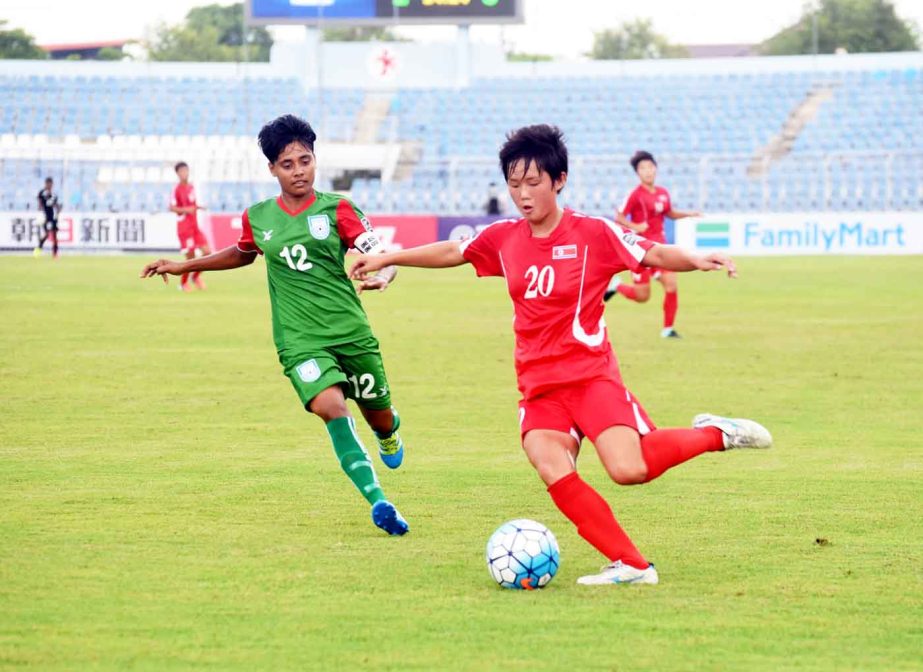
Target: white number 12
{"x": 299, "y": 264}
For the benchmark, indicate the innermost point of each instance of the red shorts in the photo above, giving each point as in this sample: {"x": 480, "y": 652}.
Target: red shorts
{"x": 190, "y": 237}
{"x": 584, "y": 409}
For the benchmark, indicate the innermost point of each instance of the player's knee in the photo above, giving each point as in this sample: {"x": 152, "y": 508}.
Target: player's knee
{"x": 328, "y": 407}
{"x": 642, "y": 293}
{"x": 551, "y": 472}
{"x": 628, "y": 474}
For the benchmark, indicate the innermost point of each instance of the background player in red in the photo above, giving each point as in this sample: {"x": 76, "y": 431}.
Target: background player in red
{"x": 557, "y": 264}
{"x": 647, "y": 205}
{"x": 190, "y": 236}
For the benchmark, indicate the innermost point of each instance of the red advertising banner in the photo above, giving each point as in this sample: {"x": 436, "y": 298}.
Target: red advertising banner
{"x": 395, "y": 231}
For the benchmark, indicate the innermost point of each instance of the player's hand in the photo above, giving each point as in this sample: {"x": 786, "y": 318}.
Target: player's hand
{"x": 373, "y": 282}
{"x": 161, "y": 267}
{"x": 365, "y": 265}
{"x": 716, "y": 261}
{"x": 641, "y": 227}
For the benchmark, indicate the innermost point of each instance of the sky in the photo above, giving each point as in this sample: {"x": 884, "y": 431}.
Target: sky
{"x": 548, "y": 29}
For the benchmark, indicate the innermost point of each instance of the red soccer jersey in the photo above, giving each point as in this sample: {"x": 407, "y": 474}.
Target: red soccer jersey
{"x": 557, "y": 285}
{"x": 648, "y": 206}
{"x": 183, "y": 197}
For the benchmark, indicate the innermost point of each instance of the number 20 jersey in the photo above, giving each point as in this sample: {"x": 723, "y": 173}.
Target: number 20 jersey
{"x": 314, "y": 304}
{"x": 557, "y": 285}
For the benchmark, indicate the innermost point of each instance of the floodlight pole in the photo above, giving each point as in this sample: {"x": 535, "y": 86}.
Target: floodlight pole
{"x": 814, "y": 29}
{"x": 463, "y": 56}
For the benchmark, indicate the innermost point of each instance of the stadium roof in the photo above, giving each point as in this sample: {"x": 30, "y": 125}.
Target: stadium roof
{"x": 720, "y": 50}
{"x": 83, "y": 46}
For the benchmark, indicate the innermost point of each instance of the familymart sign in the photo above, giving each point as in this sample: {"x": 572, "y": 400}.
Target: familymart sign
{"x": 805, "y": 233}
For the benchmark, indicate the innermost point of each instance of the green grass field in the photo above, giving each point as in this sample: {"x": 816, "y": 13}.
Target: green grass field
{"x": 166, "y": 503}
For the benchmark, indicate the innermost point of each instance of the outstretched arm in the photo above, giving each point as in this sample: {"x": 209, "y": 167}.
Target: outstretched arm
{"x": 679, "y": 214}
{"x": 673, "y": 258}
{"x": 222, "y": 260}
{"x": 436, "y": 255}
{"x": 637, "y": 227}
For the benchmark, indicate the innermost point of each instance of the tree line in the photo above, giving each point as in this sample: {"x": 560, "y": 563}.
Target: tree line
{"x": 217, "y": 33}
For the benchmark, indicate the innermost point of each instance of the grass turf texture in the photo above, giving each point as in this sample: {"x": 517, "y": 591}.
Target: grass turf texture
{"x": 168, "y": 505}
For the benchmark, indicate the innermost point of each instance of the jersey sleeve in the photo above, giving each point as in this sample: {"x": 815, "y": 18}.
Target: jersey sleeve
{"x": 354, "y": 228}
{"x": 630, "y": 202}
{"x": 483, "y": 252}
{"x": 623, "y": 248}
{"x": 174, "y": 197}
{"x": 246, "y": 243}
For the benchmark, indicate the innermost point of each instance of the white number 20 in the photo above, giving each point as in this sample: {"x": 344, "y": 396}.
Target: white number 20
{"x": 301, "y": 263}
{"x": 540, "y": 281}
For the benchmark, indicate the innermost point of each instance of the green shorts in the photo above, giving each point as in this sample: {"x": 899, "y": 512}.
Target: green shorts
{"x": 356, "y": 367}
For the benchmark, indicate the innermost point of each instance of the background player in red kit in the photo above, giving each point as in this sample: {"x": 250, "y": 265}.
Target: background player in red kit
{"x": 190, "y": 236}
{"x": 557, "y": 264}
{"x": 647, "y": 205}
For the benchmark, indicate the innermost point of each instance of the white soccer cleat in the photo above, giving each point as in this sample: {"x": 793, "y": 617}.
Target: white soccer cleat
{"x": 619, "y": 572}
{"x": 738, "y": 432}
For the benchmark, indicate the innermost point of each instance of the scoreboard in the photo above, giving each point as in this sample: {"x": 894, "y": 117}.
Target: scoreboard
{"x": 383, "y": 12}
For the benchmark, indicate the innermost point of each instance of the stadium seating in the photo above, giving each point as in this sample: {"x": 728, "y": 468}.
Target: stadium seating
{"x": 863, "y": 150}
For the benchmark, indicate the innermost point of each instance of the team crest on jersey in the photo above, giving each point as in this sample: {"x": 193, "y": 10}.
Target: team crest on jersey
{"x": 563, "y": 252}
{"x": 308, "y": 371}
{"x": 319, "y": 226}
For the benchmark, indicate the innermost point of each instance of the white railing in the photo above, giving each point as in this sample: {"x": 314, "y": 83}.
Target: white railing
{"x": 805, "y": 181}
{"x": 458, "y": 186}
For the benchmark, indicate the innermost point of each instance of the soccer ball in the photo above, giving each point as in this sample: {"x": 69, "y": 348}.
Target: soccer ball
{"x": 522, "y": 554}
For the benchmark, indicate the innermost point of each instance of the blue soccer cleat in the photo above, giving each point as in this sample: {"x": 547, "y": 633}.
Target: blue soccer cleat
{"x": 387, "y": 517}
{"x": 391, "y": 450}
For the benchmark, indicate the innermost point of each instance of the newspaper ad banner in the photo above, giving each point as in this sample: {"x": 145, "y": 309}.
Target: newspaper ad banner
{"x": 865, "y": 233}
{"x": 91, "y": 231}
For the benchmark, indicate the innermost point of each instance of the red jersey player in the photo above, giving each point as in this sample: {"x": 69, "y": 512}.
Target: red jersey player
{"x": 647, "y": 205}
{"x": 183, "y": 203}
{"x": 557, "y": 264}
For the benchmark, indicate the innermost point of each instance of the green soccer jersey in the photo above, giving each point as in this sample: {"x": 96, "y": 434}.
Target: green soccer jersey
{"x": 314, "y": 304}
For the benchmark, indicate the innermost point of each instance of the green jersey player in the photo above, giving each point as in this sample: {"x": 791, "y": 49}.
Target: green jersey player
{"x": 325, "y": 344}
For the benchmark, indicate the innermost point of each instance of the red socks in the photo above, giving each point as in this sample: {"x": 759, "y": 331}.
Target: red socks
{"x": 585, "y": 508}
{"x": 594, "y": 520}
{"x": 628, "y": 291}
{"x": 665, "y": 448}
{"x": 670, "y": 304}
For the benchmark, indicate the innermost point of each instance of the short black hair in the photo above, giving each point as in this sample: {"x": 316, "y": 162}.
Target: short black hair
{"x": 281, "y": 132}
{"x": 48, "y": 179}
{"x": 640, "y": 156}
{"x": 542, "y": 144}
{"x": 181, "y": 164}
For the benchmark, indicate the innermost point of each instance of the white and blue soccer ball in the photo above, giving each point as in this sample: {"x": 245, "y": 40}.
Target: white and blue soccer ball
{"x": 523, "y": 554}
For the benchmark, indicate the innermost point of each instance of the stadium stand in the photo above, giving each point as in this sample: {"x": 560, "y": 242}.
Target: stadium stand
{"x": 767, "y": 141}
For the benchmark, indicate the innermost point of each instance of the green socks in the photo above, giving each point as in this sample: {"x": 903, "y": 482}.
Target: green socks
{"x": 353, "y": 458}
